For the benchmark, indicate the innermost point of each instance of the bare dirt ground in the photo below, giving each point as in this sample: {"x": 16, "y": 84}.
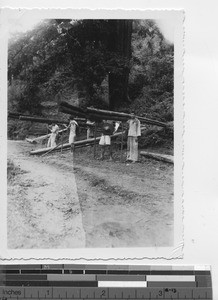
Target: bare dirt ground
{"x": 66, "y": 201}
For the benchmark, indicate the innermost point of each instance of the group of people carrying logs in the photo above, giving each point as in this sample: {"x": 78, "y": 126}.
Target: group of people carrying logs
{"x": 108, "y": 128}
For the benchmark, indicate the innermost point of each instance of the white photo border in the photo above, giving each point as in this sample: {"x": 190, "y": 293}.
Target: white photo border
{"x": 90, "y": 254}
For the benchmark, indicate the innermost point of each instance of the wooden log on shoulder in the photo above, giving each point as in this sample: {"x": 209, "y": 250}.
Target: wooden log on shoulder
{"x": 22, "y": 117}
{"x": 72, "y": 107}
{"x": 105, "y": 114}
{"x": 42, "y": 120}
{"x": 158, "y": 156}
{"x": 72, "y": 112}
{"x": 12, "y": 115}
{"x": 125, "y": 116}
{"x": 30, "y": 118}
{"x": 101, "y": 117}
{"x": 75, "y": 113}
{"x": 100, "y": 114}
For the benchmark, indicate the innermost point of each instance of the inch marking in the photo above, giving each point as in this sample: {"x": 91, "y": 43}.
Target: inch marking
{"x": 10, "y": 293}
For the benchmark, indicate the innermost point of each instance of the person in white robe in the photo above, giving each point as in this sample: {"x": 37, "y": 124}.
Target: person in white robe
{"x": 134, "y": 132}
{"x": 72, "y": 136}
{"x": 54, "y": 128}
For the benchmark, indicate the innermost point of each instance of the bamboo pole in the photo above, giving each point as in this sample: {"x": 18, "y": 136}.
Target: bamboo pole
{"x": 95, "y": 140}
{"x": 51, "y": 149}
{"x": 122, "y": 142}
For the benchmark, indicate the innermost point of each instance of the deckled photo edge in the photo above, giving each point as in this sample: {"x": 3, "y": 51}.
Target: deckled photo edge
{"x": 109, "y": 254}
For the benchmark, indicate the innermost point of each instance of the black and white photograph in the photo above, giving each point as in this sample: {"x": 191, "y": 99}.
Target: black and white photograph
{"x": 94, "y": 131}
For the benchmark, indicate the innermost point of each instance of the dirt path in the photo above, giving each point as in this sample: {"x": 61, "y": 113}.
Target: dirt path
{"x": 82, "y": 202}
{"x": 43, "y": 205}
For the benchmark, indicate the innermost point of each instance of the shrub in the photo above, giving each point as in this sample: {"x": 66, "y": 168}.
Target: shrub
{"x": 156, "y": 137}
{"x": 12, "y": 170}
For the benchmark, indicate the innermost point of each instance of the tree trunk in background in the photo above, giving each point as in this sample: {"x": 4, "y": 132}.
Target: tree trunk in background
{"x": 118, "y": 81}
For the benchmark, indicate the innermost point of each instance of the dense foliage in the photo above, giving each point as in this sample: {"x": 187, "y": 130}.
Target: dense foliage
{"x": 129, "y": 61}
{"x": 36, "y": 59}
{"x": 151, "y": 82}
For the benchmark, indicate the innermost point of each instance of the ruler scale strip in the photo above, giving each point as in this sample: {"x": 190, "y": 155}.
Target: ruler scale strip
{"x": 39, "y": 282}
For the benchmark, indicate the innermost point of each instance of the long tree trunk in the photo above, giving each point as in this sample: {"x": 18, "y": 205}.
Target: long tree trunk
{"x": 118, "y": 80}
